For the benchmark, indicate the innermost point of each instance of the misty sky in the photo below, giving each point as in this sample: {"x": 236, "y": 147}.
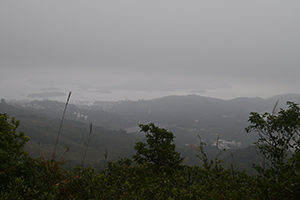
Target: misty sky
{"x": 116, "y": 50}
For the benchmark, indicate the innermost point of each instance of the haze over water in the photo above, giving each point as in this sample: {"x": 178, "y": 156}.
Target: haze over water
{"x": 108, "y": 50}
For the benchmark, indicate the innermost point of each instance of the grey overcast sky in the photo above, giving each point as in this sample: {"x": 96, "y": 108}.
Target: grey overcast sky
{"x": 116, "y": 50}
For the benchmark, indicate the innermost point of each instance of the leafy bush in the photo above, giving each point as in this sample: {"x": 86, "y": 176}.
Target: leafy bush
{"x": 12, "y": 155}
{"x": 159, "y": 151}
{"x": 279, "y": 143}
{"x": 156, "y": 170}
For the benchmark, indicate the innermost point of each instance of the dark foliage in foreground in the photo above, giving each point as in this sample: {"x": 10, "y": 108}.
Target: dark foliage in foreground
{"x": 156, "y": 171}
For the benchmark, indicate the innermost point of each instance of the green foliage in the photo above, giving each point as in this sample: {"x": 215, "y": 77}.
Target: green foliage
{"x": 12, "y": 154}
{"x": 279, "y": 143}
{"x": 74, "y": 135}
{"x": 159, "y": 150}
{"x": 22, "y": 177}
{"x": 44, "y": 179}
{"x": 156, "y": 170}
{"x": 12, "y": 142}
{"x": 278, "y": 133}
{"x": 38, "y": 180}
{"x": 123, "y": 180}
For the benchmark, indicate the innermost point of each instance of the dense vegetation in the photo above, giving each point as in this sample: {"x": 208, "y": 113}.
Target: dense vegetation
{"x": 156, "y": 170}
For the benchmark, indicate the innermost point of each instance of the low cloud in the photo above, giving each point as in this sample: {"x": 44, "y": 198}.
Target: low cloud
{"x": 42, "y": 82}
{"x": 154, "y": 85}
{"x": 89, "y": 87}
{"x": 50, "y": 89}
{"x": 103, "y": 91}
{"x": 46, "y": 95}
{"x": 147, "y": 85}
{"x": 199, "y": 91}
{"x": 93, "y": 88}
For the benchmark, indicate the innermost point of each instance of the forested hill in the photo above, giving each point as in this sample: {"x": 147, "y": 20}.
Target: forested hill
{"x": 104, "y": 144}
{"x": 54, "y": 109}
{"x": 186, "y": 116}
{"x": 155, "y": 167}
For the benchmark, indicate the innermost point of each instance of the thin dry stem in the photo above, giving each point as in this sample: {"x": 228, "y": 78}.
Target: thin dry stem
{"x": 87, "y": 146}
{"x": 61, "y": 122}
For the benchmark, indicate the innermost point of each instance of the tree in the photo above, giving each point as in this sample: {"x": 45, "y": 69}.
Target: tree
{"x": 159, "y": 151}
{"x": 278, "y": 133}
{"x": 11, "y": 143}
{"x": 23, "y": 177}
{"x": 12, "y": 154}
{"x": 279, "y": 143}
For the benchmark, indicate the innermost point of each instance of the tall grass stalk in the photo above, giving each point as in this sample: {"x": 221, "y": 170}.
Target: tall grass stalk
{"x": 105, "y": 154}
{"x": 233, "y": 161}
{"x": 87, "y": 146}
{"x": 61, "y": 122}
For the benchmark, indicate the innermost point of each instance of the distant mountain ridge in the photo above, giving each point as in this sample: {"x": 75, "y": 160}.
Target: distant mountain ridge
{"x": 43, "y": 130}
{"x": 186, "y": 116}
